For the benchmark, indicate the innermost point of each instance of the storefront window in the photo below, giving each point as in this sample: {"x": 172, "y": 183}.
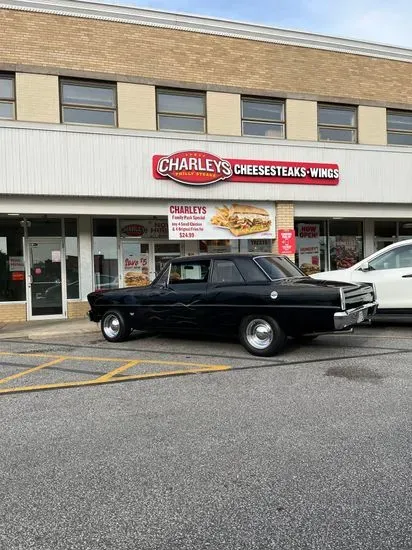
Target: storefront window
{"x": 44, "y": 227}
{"x": 12, "y": 273}
{"x": 227, "y": 246}
{"x": 72, "y": 258}
{"x": 105, "y": 253}
{"x": 311, "y": 246}
{"x": 405, "y": 229}
{"x": 345, "y": 243}
{"x": 385, "y": 229}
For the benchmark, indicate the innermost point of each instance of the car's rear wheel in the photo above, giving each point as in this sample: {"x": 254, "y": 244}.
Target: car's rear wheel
{"x": 114, "y": 326}
{"x": 261, "y": 335}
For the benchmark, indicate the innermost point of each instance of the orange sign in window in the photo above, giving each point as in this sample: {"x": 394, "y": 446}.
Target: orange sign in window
{"x": 17, "y": 276}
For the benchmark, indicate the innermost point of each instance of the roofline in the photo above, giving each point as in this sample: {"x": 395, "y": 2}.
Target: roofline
{"x": 208, "y": 25}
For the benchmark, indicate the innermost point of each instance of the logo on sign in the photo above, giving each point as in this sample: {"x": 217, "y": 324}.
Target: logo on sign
{"x": 194, "y": 168}
{"x": 133, "y": 230}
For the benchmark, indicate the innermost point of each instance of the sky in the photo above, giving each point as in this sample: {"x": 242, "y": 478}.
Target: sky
{"x": 384, "y": 21}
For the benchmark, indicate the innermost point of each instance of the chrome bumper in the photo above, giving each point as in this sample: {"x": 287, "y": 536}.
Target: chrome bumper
{"x": 345, "y": 319}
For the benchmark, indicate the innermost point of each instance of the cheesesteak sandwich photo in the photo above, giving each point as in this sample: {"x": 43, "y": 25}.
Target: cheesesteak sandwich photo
{"x": 245, "y": 219}
{"x": 242, "y": 219}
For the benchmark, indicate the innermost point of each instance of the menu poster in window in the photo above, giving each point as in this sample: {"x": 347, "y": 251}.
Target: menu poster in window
{"x": 345, "y": 251}
{"x": 199, "y": 221}
{"x": 16, "y": 263}
{"x": 136, "y": 270}
{"x": 308, "y": 247}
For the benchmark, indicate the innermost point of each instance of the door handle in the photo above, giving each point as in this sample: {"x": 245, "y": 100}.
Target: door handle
{"x": 407, "y": 276}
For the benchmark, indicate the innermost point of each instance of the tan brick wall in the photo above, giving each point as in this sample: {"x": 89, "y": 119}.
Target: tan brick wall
{"x": 168, "y": 55}
{"x": 13, "y": 313}
{"x": 223, "y": 114}
{"x": 301, "y": 120}
{"x": 372, "y": 125}
{"x": 77, "y": 310}
{"x": 37, "y": 97}
{"x": 136, "y": 106}
{"x": 285, "y": 216}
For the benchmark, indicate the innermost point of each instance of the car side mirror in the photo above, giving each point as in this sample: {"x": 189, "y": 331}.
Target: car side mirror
{"x": 365, "y": 267}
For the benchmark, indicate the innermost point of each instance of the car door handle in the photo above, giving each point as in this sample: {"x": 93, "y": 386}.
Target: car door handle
{"x": 407, "y": 276}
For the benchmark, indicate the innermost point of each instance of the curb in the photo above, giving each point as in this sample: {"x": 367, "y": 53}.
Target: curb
{"x": 33, "y": 334}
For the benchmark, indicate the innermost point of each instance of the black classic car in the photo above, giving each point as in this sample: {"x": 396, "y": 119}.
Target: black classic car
{"x": 261, "y": 298}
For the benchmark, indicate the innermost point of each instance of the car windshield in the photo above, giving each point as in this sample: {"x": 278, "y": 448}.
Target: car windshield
{"x": 278, "y": 267}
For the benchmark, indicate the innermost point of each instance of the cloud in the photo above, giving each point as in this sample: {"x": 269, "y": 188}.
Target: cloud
{"x": 381, "y": 21}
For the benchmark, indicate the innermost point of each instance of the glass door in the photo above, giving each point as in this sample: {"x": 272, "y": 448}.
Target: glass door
{"x": 135, "y": 262}
{"x": 163, "y": 252}
{"x": 45, "y": 278}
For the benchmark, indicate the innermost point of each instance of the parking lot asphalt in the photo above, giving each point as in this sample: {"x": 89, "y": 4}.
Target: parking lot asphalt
{"x": 162, "y": 443}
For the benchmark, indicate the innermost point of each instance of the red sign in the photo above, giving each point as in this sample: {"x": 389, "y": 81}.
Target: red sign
{"x": 201, "y": 168}
{"x": 286, "y": 241}
{"x": 133, "y": 230}
{"x": 17, "y": 276}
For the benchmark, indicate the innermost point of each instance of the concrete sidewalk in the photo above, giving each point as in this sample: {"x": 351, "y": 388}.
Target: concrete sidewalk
{"x": 42, "y": 329}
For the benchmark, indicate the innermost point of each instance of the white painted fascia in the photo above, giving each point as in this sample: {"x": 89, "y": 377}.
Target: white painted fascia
{"x": 208, "y": 25}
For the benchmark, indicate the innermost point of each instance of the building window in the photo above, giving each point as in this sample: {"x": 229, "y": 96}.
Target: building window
{"x": 7, "y": 97}
{"x": 89, "y": 103}
{"x": 12, "y": 269}
{"x": 328, "y": 244}
{"x": 263, "y": 118}
{"x": 181, "y": 111}
{"x": 105, "y": 253}
{"x": 337, "y": 123}
{"x": 399, "y": 126}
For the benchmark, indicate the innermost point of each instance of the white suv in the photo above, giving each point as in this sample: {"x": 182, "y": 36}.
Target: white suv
{"x": 390, "y": 269}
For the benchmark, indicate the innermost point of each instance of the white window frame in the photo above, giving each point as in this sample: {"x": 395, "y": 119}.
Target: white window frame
{"x": 331, "y": 126}
{"x": 281, "y": 123}
{"x": 399, "y": 132}
{"x": 88, "y": 107}
{"x": 184, "y": 93}
{"x": 8, "y": 100}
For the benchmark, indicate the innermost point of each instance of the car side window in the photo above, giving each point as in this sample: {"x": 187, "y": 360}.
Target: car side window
{"x": 394, "y": 259}
{"x": 189, "y": 272}
{"x": 225, "y": 271}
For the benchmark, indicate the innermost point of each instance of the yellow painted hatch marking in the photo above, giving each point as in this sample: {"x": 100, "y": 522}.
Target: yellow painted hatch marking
{"x": 111, "y": 380}
{"x": 120, "y": 369}
{"x": 32, "y": 369}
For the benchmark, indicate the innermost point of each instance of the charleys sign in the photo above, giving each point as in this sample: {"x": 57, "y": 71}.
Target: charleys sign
{"x": 201, "y": 168}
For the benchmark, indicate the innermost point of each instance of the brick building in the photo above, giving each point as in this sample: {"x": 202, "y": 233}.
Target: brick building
{"x": 126, "y": 133}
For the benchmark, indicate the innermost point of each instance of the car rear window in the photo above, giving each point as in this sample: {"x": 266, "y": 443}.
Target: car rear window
{"x": 278, "y": 267}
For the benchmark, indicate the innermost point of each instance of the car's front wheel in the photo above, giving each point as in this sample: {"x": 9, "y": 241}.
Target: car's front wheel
{"x": 261, "y": 335}
{"x": 114, "y": 326}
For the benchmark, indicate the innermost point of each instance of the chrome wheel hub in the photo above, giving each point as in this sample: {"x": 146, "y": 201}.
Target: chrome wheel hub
{"x": 111, "y": 326}
{"x": 259, "y": 334}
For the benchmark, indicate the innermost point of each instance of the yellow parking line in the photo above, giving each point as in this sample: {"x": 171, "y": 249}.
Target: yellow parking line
{"x": 32, "y": 369}
{"x": 120, "y": 369}
{"x": 75, "y": 357}
{"x": 98, "y": 382}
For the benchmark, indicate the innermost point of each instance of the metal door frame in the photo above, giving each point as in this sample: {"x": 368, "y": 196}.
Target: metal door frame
{"x": 28, "y": 242}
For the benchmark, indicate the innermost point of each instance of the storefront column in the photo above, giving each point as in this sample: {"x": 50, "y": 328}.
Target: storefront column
{"x": 79, "y": 308}
{"x": 369, "y": 241}
{"x": 285, "y": 217}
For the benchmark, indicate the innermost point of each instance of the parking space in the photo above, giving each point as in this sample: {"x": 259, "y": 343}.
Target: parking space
{"x": 63, "y": 362}
{"x": 23, "y": 372}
